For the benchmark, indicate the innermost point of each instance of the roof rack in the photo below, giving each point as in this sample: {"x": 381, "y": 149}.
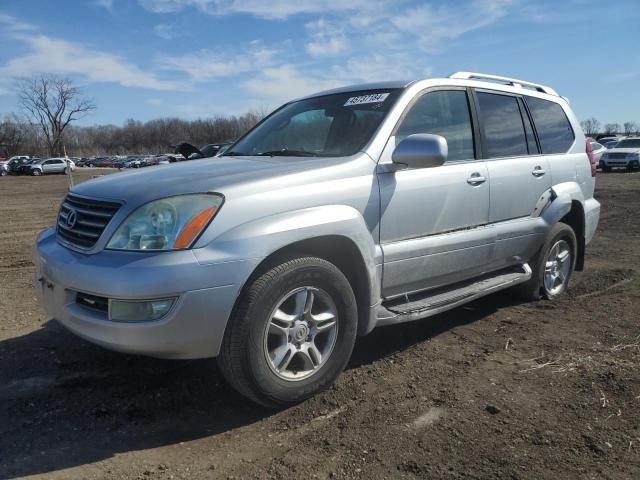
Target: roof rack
{"x": 506, "y": 80}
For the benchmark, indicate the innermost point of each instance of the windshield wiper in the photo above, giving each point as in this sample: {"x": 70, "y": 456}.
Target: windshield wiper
{"x": 287, "y": 153}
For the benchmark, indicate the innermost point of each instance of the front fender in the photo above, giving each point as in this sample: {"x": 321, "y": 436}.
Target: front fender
{"x": 260, "y": 238}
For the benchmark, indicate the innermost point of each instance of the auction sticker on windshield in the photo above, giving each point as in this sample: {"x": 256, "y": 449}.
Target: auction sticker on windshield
{"x": 372, "y": 98}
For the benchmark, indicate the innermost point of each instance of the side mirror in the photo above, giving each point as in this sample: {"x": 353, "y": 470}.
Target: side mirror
{"x": 421, "y": 150}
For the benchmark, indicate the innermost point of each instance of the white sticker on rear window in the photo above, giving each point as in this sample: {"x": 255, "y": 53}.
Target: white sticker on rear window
{"x": 372, "y": 98}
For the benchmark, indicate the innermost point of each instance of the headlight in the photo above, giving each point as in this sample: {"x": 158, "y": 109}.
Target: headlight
{"x": 633, "y": 156}
{"x": 171, "y": 223}
{"x": 604, "y": 155}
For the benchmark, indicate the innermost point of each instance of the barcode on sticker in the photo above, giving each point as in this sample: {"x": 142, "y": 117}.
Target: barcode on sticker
{"x": 372, "y": 98}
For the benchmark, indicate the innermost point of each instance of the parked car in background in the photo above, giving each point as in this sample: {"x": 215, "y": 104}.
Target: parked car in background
{"x": 597, "y": 149}
{"x": 11, "y": 166}
{"x": 190, "y": 152}
{"x": 340, "y": 212}
{"x": 625, "y": 154}
{"x": 51, "y": 165}
{"x": 609, "y": 142}
{"x": 25, "y": 169}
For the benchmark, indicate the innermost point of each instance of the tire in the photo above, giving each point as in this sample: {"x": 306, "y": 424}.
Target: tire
{"x": 606, "y": 169}
{"x": 249, "y": 355}
{"x": 536, "y": 288}
{"x": 67, "y": 171}
{"x": 3, "y": 173}
{"x": 36, "y": 172}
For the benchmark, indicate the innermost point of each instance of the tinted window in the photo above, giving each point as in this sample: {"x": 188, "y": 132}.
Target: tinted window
{"x": 503, "y": 127}
{"x": 444, "y": 113}
{"x": 553, "y": 127}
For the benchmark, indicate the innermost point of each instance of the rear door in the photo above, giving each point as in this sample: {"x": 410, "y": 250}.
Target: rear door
{"x": 433, "y": 225}
{"x": 519, "y": 174}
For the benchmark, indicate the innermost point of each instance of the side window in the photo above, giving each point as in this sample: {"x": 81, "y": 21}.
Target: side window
{"x": 503, "y": 127}
{"x": 444, "y": 113}
{"x": 553, "y": 127}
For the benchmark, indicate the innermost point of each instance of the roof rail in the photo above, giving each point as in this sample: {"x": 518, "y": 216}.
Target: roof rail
{"x": 506, "y": 80}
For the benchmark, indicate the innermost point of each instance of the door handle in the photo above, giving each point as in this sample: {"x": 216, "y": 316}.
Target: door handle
{"x": 476, "y": 179}
{"x": 538, "y": 171}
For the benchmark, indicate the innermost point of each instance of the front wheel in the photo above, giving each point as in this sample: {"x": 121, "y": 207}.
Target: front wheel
{"x": 291, "y": 334}
{"x": 36, "y": 173}
{"x": 552, "y": 266}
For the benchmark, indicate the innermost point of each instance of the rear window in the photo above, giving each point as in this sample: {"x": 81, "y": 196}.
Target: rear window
{"x": 503, "y": 128}
{"x": 554, "y": 130}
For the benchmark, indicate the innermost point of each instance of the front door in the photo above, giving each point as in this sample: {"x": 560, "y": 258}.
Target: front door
{"x": 433, "y": 220}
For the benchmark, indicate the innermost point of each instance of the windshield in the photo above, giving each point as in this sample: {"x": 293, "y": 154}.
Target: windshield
{"x": 329, "y": 126}
{"x": 631, "y": 143}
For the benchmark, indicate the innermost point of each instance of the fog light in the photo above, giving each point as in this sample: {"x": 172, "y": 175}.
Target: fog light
{"x": 139, "y": 311}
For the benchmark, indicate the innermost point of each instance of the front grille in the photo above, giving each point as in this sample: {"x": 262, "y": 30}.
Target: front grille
{"x": 91, "y": 218}
{"x": 92, "y": 302}
{"x": 617, "y": 155}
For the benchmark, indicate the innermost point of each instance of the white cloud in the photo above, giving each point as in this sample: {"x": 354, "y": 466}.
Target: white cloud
{"x": 164, "y": 31}
{"x": 277, "y": 85}
{"x": 53, "y": 55}
{"x": 12, "y": 24}
{"x": 325, "y": 39}
{"x": 206, "y": 64}
{"x": 434, "y": 25}
{"x": 274, "y": 9}
{"x": 106, "y": 4}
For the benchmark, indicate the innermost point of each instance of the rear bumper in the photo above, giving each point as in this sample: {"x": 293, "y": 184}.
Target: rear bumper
{"x": 193, "y": 328}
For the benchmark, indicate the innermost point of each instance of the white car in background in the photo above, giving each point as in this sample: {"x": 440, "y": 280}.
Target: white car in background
{"x": 626, "y": 154}
{"x": 597, "y": 149}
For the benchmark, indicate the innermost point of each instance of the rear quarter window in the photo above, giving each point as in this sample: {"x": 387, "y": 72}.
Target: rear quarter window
{"x": 554, "y": 130}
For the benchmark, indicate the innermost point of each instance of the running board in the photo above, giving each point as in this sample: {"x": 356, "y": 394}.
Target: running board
{"x": 426, "y": 304}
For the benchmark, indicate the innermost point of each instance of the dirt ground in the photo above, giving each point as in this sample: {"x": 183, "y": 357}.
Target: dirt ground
{"x": 496, "y": 389}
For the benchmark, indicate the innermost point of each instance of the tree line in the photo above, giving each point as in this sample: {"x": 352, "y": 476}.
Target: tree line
{"x": 593, "y": 127}
{"x": 50, "y": 105}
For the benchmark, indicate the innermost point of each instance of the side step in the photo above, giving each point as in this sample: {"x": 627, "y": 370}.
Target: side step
{"x": 426, "y": 304}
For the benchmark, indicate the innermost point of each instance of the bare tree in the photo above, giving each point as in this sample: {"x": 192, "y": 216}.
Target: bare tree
{"x": 591, "y": 126}
{"x": 612, "y": 128}
{"x": 53, "y": 103}
{"x": 630, "y": 127}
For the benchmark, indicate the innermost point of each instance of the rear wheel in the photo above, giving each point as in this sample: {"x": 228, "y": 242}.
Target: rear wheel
{"x": 552, "y": 266}
{"x": 291, "y": 334}
{"x": 3, "y": 173}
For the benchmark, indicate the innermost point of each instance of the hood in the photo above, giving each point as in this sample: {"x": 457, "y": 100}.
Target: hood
{"x": 624, "y": 150}
{"x": 194, "y": 176}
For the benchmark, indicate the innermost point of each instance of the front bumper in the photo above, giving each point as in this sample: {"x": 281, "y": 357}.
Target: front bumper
{"x": 194, "y": 326}
{"x": 619, "y": 163}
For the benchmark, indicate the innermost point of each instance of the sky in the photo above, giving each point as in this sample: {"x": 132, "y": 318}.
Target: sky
{"x": 146, "y": 59}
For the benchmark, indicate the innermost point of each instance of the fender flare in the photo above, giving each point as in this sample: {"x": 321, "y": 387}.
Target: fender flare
{"x": 262, "y": 237}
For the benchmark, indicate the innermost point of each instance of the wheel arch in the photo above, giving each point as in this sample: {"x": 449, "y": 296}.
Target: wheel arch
{"x": 575, "y": 219}
{"x": 341, "y": 251}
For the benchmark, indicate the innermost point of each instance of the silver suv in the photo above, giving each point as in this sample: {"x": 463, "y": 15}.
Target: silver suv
{"x": 624, "y": 154}
{"x": 340, "y": 212}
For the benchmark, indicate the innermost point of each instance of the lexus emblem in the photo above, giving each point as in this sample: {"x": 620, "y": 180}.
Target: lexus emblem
{"x": 72, "y": 218}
